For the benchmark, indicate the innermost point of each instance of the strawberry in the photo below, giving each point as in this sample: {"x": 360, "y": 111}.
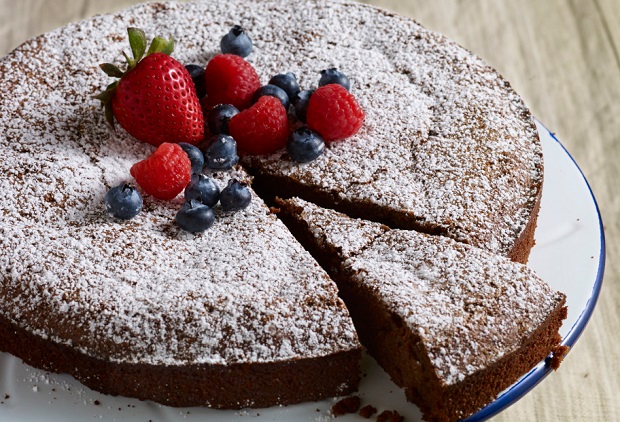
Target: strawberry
{"x": 165, "y": 173}
{"x": 155, "y": 99}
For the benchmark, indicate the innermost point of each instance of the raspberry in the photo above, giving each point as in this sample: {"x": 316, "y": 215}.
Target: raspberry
{"x": 334, "y": 113}
{"x": 165, "y": 173}
{"x": 230, "y": 80}
{"x": 261, "y": 129}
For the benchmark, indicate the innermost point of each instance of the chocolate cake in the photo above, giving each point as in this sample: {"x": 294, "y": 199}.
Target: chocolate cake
{"x": 242, "y": 315}
{"x": 452, "y": 324}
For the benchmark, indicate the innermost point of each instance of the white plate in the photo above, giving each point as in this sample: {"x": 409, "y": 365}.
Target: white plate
{"x": 569, "y": 254}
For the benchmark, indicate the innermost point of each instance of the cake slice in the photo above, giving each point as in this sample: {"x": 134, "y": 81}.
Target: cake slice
{"x": 452, "y": 324}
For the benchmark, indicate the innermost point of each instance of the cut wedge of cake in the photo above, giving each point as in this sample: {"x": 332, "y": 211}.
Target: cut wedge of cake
{"x": 452, "y": 324}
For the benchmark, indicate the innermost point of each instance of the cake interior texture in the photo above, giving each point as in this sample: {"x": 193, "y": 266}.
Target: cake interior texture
{"x": 243, "y": 315}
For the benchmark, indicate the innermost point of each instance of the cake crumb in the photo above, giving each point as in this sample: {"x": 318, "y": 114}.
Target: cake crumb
{"x": 367, "y": 411}
{"x": 558, "y": 356}
{"x": 390, "y": 416}
{"x": 6, "y": 397}
{"x": 96, "y": 402}
{"x": 346, "y": 405}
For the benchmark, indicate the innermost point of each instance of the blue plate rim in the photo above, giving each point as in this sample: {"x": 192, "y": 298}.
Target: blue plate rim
{"x": 538, "y": 373}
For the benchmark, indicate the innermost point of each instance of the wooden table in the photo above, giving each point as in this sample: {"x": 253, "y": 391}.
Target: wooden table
{"x": 563, "y": 57}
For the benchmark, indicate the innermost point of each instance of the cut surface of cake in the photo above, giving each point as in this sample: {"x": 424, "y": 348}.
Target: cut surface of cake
{"x": 452, "y": 324}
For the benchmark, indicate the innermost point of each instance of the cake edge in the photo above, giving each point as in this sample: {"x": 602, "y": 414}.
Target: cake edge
{"x": 409, "y": 367}
{"x": 236, "y": 386}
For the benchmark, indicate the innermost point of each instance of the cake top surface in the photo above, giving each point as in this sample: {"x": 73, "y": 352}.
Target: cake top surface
{"x": 141, "y": 291}
{"x": 346, "y": 237}
{"x": 468, "y": 307}
{"x": 446, "y": 142}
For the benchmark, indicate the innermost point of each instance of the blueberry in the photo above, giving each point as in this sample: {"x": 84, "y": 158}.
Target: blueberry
{"x": 236, "y": 42}
{"x": 195, "y": 156}
{"x": 219, "y": 117}
{"x": 236, "y": 196}
{"x": 195, "y": 217}
{"x": 222, "y": 153}
{"x": 305, "y": 145}
{"x": 198, "y": 76}
{"x": 274, "y": 91}
{"x": 300, "y": 103}
{"x": 203, "y": 189}
{"x": 286, "y": 81}
{"x": 123, "y": 202}
{"x": 334, "y": 76}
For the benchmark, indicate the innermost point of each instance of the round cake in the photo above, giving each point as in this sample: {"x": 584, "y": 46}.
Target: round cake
{"x": 241, "y": 315}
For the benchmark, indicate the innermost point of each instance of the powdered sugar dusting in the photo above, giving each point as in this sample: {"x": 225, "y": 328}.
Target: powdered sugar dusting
{"x": 445, "y": 140}
{"x": 141, "y": 291}
{"x": 347, "y": 235}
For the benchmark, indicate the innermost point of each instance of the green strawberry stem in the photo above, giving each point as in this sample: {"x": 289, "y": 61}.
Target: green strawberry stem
{"x": 137, "y": 42}
{"x": 161, "y": 45}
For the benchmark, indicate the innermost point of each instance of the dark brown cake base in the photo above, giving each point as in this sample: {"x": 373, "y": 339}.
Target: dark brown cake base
{"x": 218, "y": 386}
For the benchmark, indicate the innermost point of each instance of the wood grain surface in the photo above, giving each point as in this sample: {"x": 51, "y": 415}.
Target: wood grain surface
{"x": 563, "y": 57}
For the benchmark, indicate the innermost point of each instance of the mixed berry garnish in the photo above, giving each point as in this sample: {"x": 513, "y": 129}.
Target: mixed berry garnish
{"x": 288, "y": 82}
{"x": 300, "y": 103}
{"x": 165, "y": 173}
{"x": 221, "y": 153}
{"x": 230, "y": 80}
{"x": 334, "y": 76}
{"x": 236, "y": 42}
{"x": 262, "y": 128}
{"x": 197, "y": 74}
{"x": 201, "y": 118}
{"x": 329, "y": 101}
{"x": 272, "y": 91}
{"x": 195, "y": 156}
{"x": 195, "y": 217}
{"x": 153, "y": 84}
{"x": 219, "y": 117}
{"x": 203, "y": 189}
